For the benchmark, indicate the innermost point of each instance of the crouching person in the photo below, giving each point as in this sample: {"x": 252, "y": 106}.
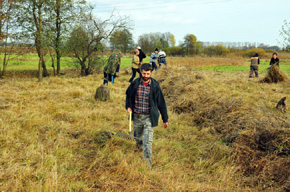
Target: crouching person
{"x": 274, "y": 60}
{"x": 112, "y": 68}
{"x": 144, "y": 98}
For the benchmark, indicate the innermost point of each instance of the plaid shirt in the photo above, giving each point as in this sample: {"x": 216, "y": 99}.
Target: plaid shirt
{"x": 142, "y": 99}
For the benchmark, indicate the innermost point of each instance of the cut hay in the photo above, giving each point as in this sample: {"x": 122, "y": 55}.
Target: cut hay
{"x": 274, "y": 75}
{"x": 102, "y": 93}
{"x": 258, "y": 135}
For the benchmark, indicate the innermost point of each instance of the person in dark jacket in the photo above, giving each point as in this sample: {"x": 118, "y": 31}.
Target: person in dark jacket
{"x": 141, "y": 55}
{"x": 274, "y": 60}
{"x": 144, "y": 98}
{"x": 255, "y": 61}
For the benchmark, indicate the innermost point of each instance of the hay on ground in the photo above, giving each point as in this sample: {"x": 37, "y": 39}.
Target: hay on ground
{"x": 274, "y": 75}
{"x": 257, "y": 135}
{"x": 102, "y": 93}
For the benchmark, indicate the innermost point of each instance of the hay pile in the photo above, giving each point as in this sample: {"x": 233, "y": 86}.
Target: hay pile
{"x": 258, "y": 135}
{"x": 274, "y": 75}
{"x": 102, "y": 93}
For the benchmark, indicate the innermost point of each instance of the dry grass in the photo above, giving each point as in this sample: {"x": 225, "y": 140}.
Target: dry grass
{"x": 52, "y": 135}
{"x": 209, "y": 61}
{"x": 240, "y": 113}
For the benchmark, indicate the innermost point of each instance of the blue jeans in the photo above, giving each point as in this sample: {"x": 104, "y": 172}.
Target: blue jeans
{"x": 162, "y": 60}
{"x": 154, "y": 66}
{"x": 143, "y": 130}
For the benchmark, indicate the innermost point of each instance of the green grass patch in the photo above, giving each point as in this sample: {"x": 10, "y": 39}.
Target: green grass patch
{"x": 284, "y": 66}
{"x": 30, "y": 62}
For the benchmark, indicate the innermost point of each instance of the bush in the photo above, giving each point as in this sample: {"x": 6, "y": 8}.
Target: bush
{"x": 174, "y": 51}
{"x": 216, "y": 50}
{"x": 251, "y": 52}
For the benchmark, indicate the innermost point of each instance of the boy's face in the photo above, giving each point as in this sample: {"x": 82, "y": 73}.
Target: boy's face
{"x": 156, "y": 52}
{"x": 138, "y": 53}
{"x": 274, "y": 56}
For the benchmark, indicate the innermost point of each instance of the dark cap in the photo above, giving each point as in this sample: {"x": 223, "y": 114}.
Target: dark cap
{"x": 156, "y": 49}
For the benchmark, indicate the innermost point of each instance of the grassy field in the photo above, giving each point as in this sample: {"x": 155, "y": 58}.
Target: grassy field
{"x": 30, "y": 62}
{"x": 225, "y": 133}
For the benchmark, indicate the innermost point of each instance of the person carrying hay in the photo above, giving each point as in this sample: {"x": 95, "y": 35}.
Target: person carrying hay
{"x": 161, "y": 58}
{"x": 112, "y": 68}
{"x": 274, "y": 60}
{"x": 141, "y": 55}
{"x": 144, "y": 98}
{"x": 255, "y": 61}
{"x": 153, "y": 59}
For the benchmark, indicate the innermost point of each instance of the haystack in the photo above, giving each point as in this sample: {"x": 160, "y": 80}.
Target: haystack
{"x": 274, "y": 75}
{"x": 102, "y": 93}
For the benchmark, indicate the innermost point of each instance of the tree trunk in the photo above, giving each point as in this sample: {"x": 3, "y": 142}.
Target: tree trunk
{"x": 83, "y": 68}
{"x": 58, "y": 62}
{"x": 39, "y": 33}
{"x": 89, "y": 69}
{"x": 45, "y": 72}
{"x": 5, "y": 61}
{"x": 52, "y": 64}
{"x": 57, "y": 41}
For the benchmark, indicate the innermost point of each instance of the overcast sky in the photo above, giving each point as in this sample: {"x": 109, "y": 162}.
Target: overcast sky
{"x": 209, "y": 20}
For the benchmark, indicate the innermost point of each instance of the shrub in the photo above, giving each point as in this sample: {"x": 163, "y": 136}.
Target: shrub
{"x": 251, "y": 52}
{"x": 174, "y": 51}
{"x": 216, "y": 50}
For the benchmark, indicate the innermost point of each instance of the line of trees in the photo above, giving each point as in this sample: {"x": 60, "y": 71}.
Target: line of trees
{"x": 58, "y": 27}
{"x": 55, "y": 28}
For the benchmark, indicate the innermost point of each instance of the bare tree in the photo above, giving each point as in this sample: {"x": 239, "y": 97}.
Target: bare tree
{"x": 5, "y": 25}
{"x": 150, "y": 41}
{"x": 32, "y": 21}
{"x": 62, "y": 16}
{"x": 285, "y": 34}
{"x": 88, "y": 39}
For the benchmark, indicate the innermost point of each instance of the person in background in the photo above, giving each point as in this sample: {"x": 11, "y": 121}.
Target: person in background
{"x": 274, "y": 60}
{"x": 161, "y": 58}
{"x": 144, "y": 98}
{"x": 141, "y": 55}
{"x": 255, "y": 61}
{"x": 153, "y": 59}
{"x": 135, "y": 65}
{"x": 112, "y": 68}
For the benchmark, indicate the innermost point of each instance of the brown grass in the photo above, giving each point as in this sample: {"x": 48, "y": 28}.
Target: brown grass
{"x": 208, "y": 61}
{"x": 240, "y": 115}
{"x": 52, "y": 135}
